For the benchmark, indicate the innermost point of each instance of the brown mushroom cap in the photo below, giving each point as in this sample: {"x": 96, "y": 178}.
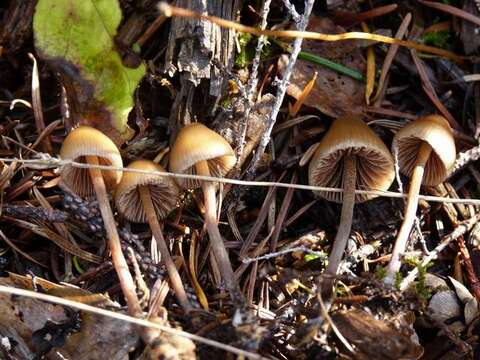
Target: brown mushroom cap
{"x": 87, "y": 141}
{"x": 350, "y": 135}
{"x": 194, "y": 143}
{"x": 163, "y": 190}
{"x": 434, "y": 130}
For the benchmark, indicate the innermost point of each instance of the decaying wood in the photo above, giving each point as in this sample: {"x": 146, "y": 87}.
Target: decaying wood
{"x": 195, "y": 46}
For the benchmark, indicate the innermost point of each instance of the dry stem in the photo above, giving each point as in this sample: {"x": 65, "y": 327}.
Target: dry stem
{"x": 169, "y": 10}
{"x": 175, "y": 278}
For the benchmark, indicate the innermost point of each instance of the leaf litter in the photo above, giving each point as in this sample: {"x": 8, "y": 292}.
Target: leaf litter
{"x": 54, "y": 243}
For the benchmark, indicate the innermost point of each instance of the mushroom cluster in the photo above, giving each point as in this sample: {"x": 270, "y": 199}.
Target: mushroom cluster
{"x": 145, "y": 197}
{"x": 350, "y": 157}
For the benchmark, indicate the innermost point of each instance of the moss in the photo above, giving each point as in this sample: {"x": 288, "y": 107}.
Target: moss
{"x": 442, "y": 39}
{"x": 398, "y": 280}
{"x": 380, "y": 272}
{"x": 420, "y": 286}
{"x": 248, "y": 44}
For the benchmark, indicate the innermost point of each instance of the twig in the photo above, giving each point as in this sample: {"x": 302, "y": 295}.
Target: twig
{"x": 252, "y": 81}
{"x": 169, "y": 10}
{"x": 466, "y": 157}
{"x": 126, "y": 318}
{"x": 248, "y": 260}
{"x": 292, "y": 11}
{"x": 469, "y": 270}
{"x": 281, "y": 90}
{"x": 461, "y": 229}
{"x": 50, "y": 162}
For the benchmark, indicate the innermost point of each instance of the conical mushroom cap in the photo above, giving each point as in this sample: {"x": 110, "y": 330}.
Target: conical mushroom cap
{"x": 350, "y": 135}
{"x": 163, "y": 190}
{"x": 87, "y": 141}
{"x": 194, "y": 143}
{"x": 434, "y": 130}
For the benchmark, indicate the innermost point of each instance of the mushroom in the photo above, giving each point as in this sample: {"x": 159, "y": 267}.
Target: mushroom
{"x": 199, "y": 150}
{"x": 144, "y": 198}
{"x": 350, "y": 156}
{"x": 426, "y": 154}
{"x": 89, "y": 145}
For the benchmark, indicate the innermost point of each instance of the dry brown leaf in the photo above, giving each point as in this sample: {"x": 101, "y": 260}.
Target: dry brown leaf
{"x": 373, "y": 338}
{"x": 334, "y": 94}
{"x": 98, "y": 336}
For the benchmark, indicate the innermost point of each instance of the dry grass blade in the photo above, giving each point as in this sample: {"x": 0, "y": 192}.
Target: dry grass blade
{"x": 37, "y": 105}
{"x": 61, "y": 228}
{"x": 292, "y": 122}
{"x": 260, "y": 220}
{"x": 51, "y": 162}
{"x": 301, "y": 99}
{"x": 370, "y": 69}
{"x": 176, "y": 11}
{"x": 348, "y": 19}
{"x": 430, "y": 91}
{"x": 452, "y": 10}
{"x": 20, "y": 251}
{"x": 392, "y": 51}
{"x": 202, "y": 298}
{"x": 58, "y": 240}
{"x": 129, "y": 319}
{"x": 282, "y": 214}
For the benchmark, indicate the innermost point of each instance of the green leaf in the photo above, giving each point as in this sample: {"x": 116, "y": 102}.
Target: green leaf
{"x": 79, "y": 35}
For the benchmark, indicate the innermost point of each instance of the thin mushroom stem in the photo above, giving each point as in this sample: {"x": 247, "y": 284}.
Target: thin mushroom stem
{"x": 410, "y": 212}
{"x": 343, "y": 233}
{"x": 119, "y": 262}
{"x": 219, "y": 250}
{"x": 177, "y": 284}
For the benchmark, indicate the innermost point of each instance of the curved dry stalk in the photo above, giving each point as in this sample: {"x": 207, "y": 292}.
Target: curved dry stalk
{"x": 170, "y": 10}
{"x": 219, "y": 250}
{"x": 343, "y": 233}
{"x": 129, "y": 319}
{"x": 412, "y": 203}
{"x": 175, "y": 278}
{"x": 119, "y": 262}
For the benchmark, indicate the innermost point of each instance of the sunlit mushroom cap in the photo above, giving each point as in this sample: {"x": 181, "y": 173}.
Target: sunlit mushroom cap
{"x": 194, "y": 143}
{"x": 434, "y": 130}
{"x": 163, "y": 190}
{"x": 86, "y": 141}
{"x": 350, "y": 135}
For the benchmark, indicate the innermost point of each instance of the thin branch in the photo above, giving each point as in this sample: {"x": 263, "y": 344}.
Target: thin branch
{"x": 248, "y": 260}
{"x": 253, "y": 80}
{"x": 126, "y": 318}
{"x": 48, "y": 162}
{"x": 169, "y": 10}
{"x": 460, "y": 230}
{"x": 281, "y": 90}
